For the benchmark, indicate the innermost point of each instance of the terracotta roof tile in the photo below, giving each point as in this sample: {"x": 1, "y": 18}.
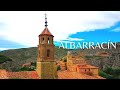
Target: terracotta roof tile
{"x": 86, "y": 66}
{"x": 24, "y": 75}
{"x": 3, "y": 74}
{"x": 46, "y": 32}
{"x": 75, "y": 75}
{"x": 33, "y": 75}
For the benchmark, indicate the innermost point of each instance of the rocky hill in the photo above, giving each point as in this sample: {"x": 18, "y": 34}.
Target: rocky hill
{"x": 98, "y": 58}
{"x": 25, "y": 55}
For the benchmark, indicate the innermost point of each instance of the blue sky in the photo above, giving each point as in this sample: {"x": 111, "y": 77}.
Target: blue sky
{"x": 111, "y": 34}
{"x": 21, "y": 29}
{"x": 100, "y": 35}
{"x": 9, "y": 44}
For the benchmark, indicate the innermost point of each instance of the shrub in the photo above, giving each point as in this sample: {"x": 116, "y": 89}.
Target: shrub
{"x": 4, "y": 59}
{"x": 105, "y": 75}
{"x": 33, "y": 64}
{"x": 58, "y": 67}
{"x": 108, "y": 70}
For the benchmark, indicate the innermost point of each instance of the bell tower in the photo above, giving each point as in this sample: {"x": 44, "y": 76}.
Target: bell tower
{"x": 46, "y": 68}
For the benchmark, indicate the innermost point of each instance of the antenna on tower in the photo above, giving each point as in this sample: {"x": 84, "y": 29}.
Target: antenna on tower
{"x": 46, "y": 20}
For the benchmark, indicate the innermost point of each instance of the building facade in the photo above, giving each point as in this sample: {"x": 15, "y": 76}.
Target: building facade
{"x": 46, "y": 65}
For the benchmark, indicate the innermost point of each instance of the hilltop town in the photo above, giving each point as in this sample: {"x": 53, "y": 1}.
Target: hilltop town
{"x": 81, "y": 64}
{"x": 46, "y": 67}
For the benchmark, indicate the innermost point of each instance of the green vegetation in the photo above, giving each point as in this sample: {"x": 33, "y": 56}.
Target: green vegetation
{"x": 105, "y": 75}
{"x": 93, "y": 57}
{"x": 110, "y": 73}
{"x": 4, "y": 59}
{"x": 26, "y": 55}
{"x": 24, "y": 69}
{"x": 108, "y": 70}
{"x": 33, "y": 64}
{"x": 58, "y": 68}
{"x": 32, "y": 67}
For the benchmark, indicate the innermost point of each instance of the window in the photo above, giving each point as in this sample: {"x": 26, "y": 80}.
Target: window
{"x": 48, "y": 53}
{"x": 42, "y": 40}
{"x": 48, "y": 41}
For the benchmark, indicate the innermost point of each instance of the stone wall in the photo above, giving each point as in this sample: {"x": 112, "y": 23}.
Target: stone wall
{"x": 46, "y": 70}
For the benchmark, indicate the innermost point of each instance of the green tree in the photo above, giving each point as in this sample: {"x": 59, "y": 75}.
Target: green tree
{"x": 108, "y": 70}
{"x": 105, "y": 75}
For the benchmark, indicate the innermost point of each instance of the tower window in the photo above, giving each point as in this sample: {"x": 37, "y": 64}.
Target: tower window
{"x": 48, "y": 41}
{"x": 42, "y": 40}
{"x": 48, "y": 53}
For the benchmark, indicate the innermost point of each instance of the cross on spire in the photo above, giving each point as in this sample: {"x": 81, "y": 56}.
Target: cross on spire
{"x": 46, "y": 20}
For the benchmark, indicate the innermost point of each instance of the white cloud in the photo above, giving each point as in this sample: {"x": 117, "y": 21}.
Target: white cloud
{"x": 5, "y": 49}
{"x": 72, "y": 39}
{"x": 75, "y": 39}
{"x": 25, "y": 26}
{"x": 116, "y": 29}
{"x": 2, "y": 26}
{"x": 61, "y": 41}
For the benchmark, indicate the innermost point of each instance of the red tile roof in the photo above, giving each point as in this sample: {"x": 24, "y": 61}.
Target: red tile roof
{"x": 86, "y": 66}
{"x": 33, "y": 75}
{"x": 75, "y": 75}
{"x": 46, "y": 32}
{"x": 3, "y": 74}
{"x": 23, "y": 75}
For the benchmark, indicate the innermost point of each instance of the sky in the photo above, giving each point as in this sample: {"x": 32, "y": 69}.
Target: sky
{"x": 20, "y": 29}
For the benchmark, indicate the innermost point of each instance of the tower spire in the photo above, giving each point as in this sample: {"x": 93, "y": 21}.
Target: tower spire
{"x": 46, "y": 20}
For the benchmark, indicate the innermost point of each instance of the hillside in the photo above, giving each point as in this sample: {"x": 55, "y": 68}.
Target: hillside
{"x": 4, "y": 59}
{"x": 26, "y": 55}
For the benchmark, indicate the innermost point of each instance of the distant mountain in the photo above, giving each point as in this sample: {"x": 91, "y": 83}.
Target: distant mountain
{"x": 26, "y": 55}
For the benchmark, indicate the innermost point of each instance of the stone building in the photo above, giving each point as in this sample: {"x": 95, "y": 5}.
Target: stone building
{"x": 76, "y": 64}
{"x": 46, "y": 65}
{"x": 77, "y": 68}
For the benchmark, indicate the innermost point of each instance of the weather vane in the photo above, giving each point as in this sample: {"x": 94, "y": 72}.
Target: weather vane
{"x": 46, "y": 20}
